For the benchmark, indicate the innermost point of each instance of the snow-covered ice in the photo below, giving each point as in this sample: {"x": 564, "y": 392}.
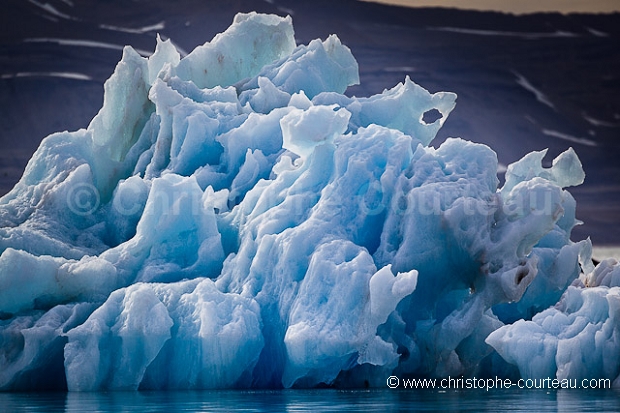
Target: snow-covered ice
{"x": 231, "y": 219}
{"x": 64, "y": 75}
{"x": 540, "y": 96}
{"x": 51, "y": 10}
{"x": 140, "y": 30}
{"x": 570, "y": 138}
{"x": 524, "y": 35}
{"x": 82, "y": 43}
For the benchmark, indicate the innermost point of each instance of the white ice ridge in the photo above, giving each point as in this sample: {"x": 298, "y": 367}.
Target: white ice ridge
{"x": 231, "y": 219}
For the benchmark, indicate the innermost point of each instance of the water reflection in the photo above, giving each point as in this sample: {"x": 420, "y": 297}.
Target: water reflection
{"x": 314, "y": 401}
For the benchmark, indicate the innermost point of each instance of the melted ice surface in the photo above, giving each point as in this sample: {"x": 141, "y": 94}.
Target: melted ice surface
{"x": 231, "y": 219}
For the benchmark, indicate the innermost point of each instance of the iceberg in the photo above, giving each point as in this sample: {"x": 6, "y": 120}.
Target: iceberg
{"x": 575, "y": 339}
{"x": 232, "y": 219}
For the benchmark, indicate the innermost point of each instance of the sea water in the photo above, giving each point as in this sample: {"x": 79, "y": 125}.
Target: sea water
{"x": 315, "y": 401}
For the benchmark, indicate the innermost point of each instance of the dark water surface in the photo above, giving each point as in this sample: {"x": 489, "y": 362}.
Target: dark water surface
{"x": 315, "y": 401}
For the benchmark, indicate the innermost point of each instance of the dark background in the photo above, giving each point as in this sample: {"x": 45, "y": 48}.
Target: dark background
{"x": 574, "y": 60}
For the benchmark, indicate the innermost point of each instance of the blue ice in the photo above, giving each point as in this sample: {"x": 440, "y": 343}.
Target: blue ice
{"x": 231, "y": 219}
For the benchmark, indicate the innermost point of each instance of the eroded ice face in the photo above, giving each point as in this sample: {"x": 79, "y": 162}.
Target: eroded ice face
{"x": 231, "y": 219}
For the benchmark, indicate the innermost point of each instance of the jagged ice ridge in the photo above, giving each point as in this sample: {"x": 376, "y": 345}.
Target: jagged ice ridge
{"x": 231, "y": 219}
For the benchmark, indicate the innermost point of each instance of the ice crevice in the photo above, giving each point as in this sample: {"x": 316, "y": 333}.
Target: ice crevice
{"x": 231, "y": 219}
